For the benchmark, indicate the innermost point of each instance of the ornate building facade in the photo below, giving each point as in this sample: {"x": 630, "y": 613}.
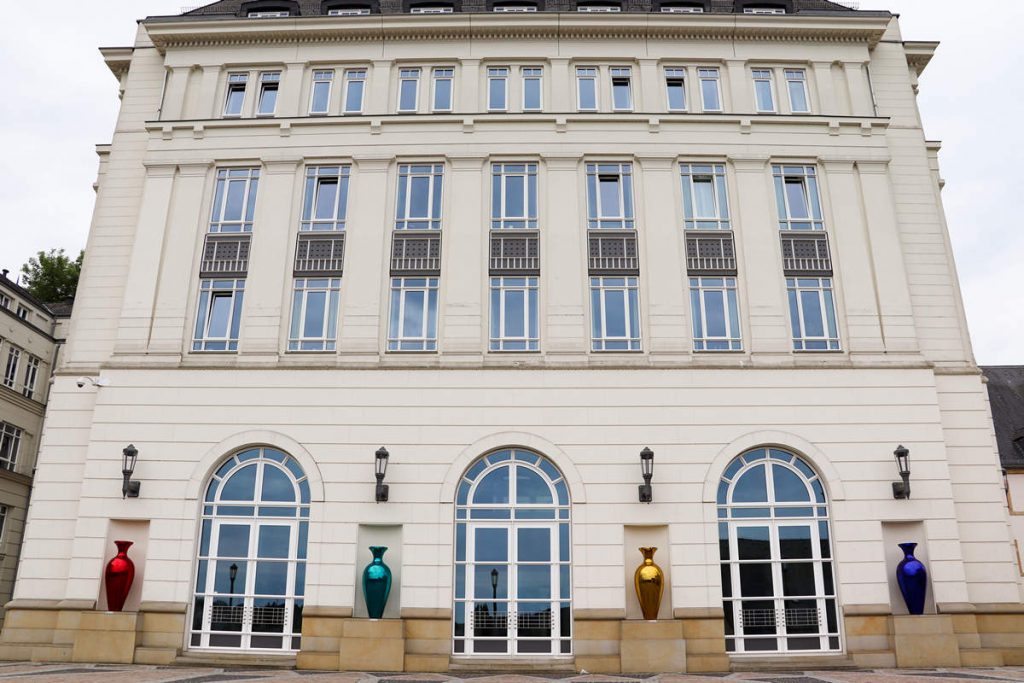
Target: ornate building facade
{"x": 530, "y": 248}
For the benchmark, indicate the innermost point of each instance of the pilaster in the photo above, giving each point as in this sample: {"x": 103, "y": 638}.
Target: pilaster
{"x": 173, "y": 105}
{"x": 207, "y": 104}
{"x": 736, "y": 91}
{"x": 826, "y": 88}
{"x": 650, "y": 97}
{"x": 467, "y": 86}
{"x": 377, "y": 90}
{"x": 562, "y": 243}
{"x": 289, "y": 99}
{"x": 464, "y": 255}
{"x": 861, "y": 102}
{"x": 562, "y": 88}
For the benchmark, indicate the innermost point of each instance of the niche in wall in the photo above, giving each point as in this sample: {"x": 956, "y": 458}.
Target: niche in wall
{"x": 894, "y": 533}
{"x": 136, "y": 531}
{"x": 391, "y": 537}
{"x": 636, "y": 537}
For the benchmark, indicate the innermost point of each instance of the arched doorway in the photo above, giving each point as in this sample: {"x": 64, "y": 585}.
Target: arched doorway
{"x": 513, "y": 578}
{"x": 251, "y": 568}
{"x": 778, "y": 575}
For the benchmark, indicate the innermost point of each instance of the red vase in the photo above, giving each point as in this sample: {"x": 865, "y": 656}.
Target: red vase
{"x": 119, "y": 576}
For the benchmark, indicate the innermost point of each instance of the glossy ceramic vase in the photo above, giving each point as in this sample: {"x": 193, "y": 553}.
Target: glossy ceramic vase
{"x": 649, "y": 582}
{"x": 376, "y": 583}
{"x": 912, "y": 578}
{"x": 119, "y": 576}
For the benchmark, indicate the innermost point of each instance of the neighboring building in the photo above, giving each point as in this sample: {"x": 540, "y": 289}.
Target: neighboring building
{"x": 29, "y": 342}
{"x": 515, "y": 242}
{"x": 1006, "y": 395}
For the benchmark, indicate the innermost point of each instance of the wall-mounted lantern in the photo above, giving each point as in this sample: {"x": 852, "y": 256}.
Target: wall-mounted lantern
{"x": 129, "y": 487}
{"x": 647, "y": 471}
{"x": 380, "y": 468}
{"x": 901, "y": 489}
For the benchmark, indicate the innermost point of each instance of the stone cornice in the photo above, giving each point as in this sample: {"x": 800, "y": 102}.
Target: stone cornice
{"x": 191, "y": 33}
{"x": 919, "y": 54}
{"x": 118, "y": 59}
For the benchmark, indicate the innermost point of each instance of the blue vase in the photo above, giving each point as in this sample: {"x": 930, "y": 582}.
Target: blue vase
{"x": 912, "y": 578}
{"x": 376, "y": 583}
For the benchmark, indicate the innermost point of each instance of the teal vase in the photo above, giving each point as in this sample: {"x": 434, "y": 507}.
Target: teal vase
{"x": 376, "y": 583}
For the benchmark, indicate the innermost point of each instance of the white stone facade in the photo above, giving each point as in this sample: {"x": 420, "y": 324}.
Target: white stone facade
{"x": 904, "y": 372}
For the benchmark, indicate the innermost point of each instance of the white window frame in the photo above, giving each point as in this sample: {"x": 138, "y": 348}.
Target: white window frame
{"x": 764, "y": 10}
{"x": 236, "y": 83}
{"x": 597, "y": 219}
{"x": 620, "y": 73}
{"x": 225, "y": 177}
{"x": 587, "y": 73}
{"x": 689, "y": 173}
{"x": 275, "y": 14}
{"x": 682, "y": 9}
{"x": 496, "y": 74}
{"x": 431, "y": 10}
{"x": 700, "y": 287}
{"x": 5, "y": 301}
{"x": 202, "y": 341}
{"x": 348, "y": 12}
{"x": 351, "y": 78}
{"x": 760, "y": 76}
{"x": 674, "y": 73}
{"x": 500, "y": 288}
{"x": 270, "y": 81}
{"x": 797, "y": 77}
{"x": 598, "y": 8}
{"x": 514, "y": 8}
{"x": 315, "y": 175}
{"x": 500, "y": 172}
{"x": 11, "y": 364}
{"x": 10, "y": 445}
{"x": 321, "y": 77}
{"x": 802, "y": 342}
{"x": 31, "y": 376}
{"x": 710, "y": 74}
{"x": 21, "y": 312}
{"x": 600, "y": 287}
{"x": 302, "y": 287}
{"x": 406, "y": 75}
{"x": 438, "y": 74}
{"x": 435, "y": 196}
{"x": 531, "y": 74}
{"x": 398, "y": 338}
{"x": 807, "y": 175}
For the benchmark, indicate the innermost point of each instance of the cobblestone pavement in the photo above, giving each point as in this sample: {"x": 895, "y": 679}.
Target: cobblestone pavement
{"x": 102, "y": 673}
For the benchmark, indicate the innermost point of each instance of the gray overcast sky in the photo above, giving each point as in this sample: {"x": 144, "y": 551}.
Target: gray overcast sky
{"x": 60, "y": 100}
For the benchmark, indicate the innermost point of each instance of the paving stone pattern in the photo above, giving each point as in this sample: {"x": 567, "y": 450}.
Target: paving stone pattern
{"x": 62, "y": 673}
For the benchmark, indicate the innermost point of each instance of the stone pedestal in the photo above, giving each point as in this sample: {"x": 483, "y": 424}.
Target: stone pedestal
{"x": 106, "y": 637}
{"x": 372, "y": 645}
{"x": 926, "y": 640}
{"x": 652, "y": 646}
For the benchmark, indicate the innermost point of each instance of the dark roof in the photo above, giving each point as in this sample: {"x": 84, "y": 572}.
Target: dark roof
{"x": 62, "y": 309}
{"x": 22, "y": 292}
{"x": 1006, "y": 394}
{"x": 232, "y": 8}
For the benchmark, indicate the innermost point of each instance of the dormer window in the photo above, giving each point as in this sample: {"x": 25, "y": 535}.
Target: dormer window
{"x": 269, "y": 9}
{"x": 348, "y": 11}
{"x": 515, "y": 7}
{"x": 349, "y": 8}
{"x": 598, "y": 7}
{"x": 432, "y": 9}
{"x": 681, "y": 7}
{"x": 270, "y": 14}
{"x": 764, "y": 10}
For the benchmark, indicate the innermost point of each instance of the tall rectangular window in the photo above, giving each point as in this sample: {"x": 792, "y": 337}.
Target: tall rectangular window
{"x": 812, "y": 313}
{"x": 705, "y": 200}
{"x": 615, "y": 314}
{"x": 11, "y": 366}
{"x": 513, "y": 196}
{"x": 236, "y": 94}
{"x": 218, "y": 315}
{"x": 675, "y": 88}
{"x": 586, "y": 88}
{"x": 320, "y": 93}
{"x": 413, "y": 322}
{"x": 710, "y": 89}
{"x": 514, "y": 314}
{"x": 622, "y": 90}
{"x": 419, "y": 197}
{"x": 10, "y": 444}
{"x": 355, "y": 87}
{"x": 533, "y": 81}
{"x": 21, "y": 312}
{"x": 269, "y": 82}
{"x": 796, "y": 84}
{"x": 314, "y": 314}
{"x": 234, "y": 200}
{"x": 716, "y": 318}
{"x": 610, "y": 196}
{"x": 764, "y": 94}
{"x": 31, "y": 376}
{"x": 408, "y": 89}
{"x": 5, "y": 301}
{"x": 497, "y": 88}
{"x": 325, "y": 199}
{"x": 797, "y": 198}
{"x": 444, "y": 79}
{"x": 3, "y": 521}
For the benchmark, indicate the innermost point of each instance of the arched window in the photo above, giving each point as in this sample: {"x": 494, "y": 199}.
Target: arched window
{"x": 251, "y": 569}
{"x": 512, "y": 558}
{"x": 778, "y": 579}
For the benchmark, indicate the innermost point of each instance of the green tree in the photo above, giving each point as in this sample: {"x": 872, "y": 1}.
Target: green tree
{"x": 52, "y": 276}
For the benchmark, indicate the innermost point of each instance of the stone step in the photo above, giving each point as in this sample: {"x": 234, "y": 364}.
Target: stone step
{"x": 517, "y": 665}
{"x": 791, "y": 663}
{"x": 981, "y": 658}
{"x": 235, "y": 660}
{"x": 159, "y": 656}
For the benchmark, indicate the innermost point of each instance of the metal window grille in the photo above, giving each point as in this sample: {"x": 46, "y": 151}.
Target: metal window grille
{"x": 416, "y": 255}
{"x": 319, "y": 255}
{"x": 514, "y": 254}
{"x": 614, "y": 254}
{"x": 806, "y": 254}
{"x": 225, "y": 255}
{"x": 710, "y": 254}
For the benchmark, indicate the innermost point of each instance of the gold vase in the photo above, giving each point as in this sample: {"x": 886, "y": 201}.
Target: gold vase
{"x": 649, "y": 582}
